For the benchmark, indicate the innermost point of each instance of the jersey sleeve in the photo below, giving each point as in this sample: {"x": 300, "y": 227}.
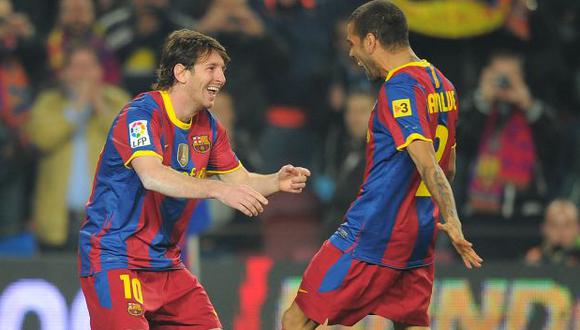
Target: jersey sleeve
{"x": 222, "y": 158}
{"x": 137, "y": 133}
{"x": 402, "y": 108}
{"x": 453, "y": 128}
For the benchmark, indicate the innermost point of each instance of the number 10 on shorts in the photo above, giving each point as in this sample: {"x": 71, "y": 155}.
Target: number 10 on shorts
{"x": 132, "y": 285}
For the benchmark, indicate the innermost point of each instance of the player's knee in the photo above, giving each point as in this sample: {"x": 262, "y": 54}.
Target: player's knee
{"x": 286, "y": 319}
{"x": 291, "y": 320}
{"x": 294, "y": 319}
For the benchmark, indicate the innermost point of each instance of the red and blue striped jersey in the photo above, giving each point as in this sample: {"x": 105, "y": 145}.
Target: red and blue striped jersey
{"x": 128, "y": 226}
{"x": 392, "y": 220}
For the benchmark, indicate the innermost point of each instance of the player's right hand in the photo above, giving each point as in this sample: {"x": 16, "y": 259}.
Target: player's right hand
{"x": 243, "y": 198}
{"x": 461, "y": 245}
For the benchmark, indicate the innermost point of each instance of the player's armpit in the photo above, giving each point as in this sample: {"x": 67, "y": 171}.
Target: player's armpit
{"x": 413, "y": 137}
{"x": 422, "y": 153}
{"x": 141, "y": 153}
{"x": 145, "y": 166}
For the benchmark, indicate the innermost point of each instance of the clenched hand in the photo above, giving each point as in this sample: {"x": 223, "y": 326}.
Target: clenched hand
{"x": 292, "y": 179}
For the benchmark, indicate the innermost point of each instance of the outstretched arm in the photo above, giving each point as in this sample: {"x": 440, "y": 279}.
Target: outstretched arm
{"x": 160, "y": 178}
{"x": 289, "y": 178}
{"x": 423, "y": 156}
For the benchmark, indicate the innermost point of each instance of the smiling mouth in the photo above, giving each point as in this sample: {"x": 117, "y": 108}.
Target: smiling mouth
{"x": 213, "y": 90}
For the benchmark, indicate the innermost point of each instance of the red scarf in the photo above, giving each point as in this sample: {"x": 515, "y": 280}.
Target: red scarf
{"x": 506, "y": 156}
{"x": 15, "y": 96}
{"x": 59, "y": 40}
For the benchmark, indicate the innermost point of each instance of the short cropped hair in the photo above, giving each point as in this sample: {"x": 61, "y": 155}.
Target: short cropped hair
{"x": 384, "y": 20}
{"x": 184, "y": 47}
{"x": 75, "y": 47}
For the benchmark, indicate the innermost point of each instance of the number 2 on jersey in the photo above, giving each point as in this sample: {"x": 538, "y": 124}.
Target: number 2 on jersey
{"x": 133, "y": 284}
{"x": 442, "y": 133}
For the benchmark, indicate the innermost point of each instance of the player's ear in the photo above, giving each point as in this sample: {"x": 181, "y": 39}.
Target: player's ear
{"x": 179, "y": 72}
{"x": 370, "y": 42}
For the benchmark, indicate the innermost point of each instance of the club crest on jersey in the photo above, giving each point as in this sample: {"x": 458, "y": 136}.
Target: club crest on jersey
{"x": 201, "y": 143}
{"x": 134, "y": 309}
{"x": 138, "y": 135}
{"x": 183, "y": 154}
{"x": 402, "y": 108}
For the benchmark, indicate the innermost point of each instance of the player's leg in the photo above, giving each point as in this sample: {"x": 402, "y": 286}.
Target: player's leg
{"x": 406, "y": 303}
{"x": 295, "y": 319}
{"x": 310, "y": 307}
{"x": 187, "y": 305}
{"x": 401, "y": 326}
{"x": 335, "y": 289}
{"x": 113, "y": 301}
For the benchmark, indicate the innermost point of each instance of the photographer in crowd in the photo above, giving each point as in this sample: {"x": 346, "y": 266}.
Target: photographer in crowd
{"x": 510, "y": 144}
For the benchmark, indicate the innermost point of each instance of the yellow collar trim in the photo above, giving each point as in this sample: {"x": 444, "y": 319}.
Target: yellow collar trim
{"x": 171, "y": 112}
{"x": 422, "y": 63}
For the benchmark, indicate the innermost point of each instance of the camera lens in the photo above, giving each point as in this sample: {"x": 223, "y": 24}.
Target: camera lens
{"x": 503, "y": 82}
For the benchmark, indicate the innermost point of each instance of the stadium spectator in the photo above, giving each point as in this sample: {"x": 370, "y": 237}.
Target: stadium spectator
{"x": 68, "y": 125}
{"x": 223, "y": 110}
{"x": 76, "y": 23}
{"x": 244, "y": 34}
{"x": 510, "y": 144}
{"x": 560, "y": 237}
{"x": 20, "y": 52}
{"x": 103, "y": 7}
{"x": 135, "y": 32}
{"x": 572, "y": 184}
{"x": 296, "y": 116}
{"x": 345, "y": 158}
{"x": 346, "y": 75}
{"x": 226, "y": 110}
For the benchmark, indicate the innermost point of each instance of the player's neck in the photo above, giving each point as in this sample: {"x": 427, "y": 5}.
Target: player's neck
{"x": 395, "y": 59}
{"x": 182, "y": 105}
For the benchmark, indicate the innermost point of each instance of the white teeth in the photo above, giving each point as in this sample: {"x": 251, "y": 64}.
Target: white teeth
{"x": 213, "y": 89}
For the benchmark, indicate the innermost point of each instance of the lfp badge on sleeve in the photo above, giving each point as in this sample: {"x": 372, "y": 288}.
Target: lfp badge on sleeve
{"x": 139, "y": 136}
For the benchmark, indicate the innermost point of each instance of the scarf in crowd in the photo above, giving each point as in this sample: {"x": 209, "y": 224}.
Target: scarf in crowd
{"x": 15, "y": 95}
{"x": 506, "y": 155}
{"x": 59, "y": 40}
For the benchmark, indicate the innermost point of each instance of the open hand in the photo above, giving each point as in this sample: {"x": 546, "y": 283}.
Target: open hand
{"x": 243, "y": 198}
{"x": 292, "y": 179}
{"x": 463, "y": 247}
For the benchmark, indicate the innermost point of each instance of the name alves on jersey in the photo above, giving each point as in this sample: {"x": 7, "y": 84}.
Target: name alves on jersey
{"x": 441, "y": 101}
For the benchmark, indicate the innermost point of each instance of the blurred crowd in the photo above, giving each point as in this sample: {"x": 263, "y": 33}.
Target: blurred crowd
{"x": 294, "y": 96}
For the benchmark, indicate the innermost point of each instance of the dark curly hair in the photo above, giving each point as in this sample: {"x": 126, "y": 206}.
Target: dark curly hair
{"x": 184, "y": 47}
